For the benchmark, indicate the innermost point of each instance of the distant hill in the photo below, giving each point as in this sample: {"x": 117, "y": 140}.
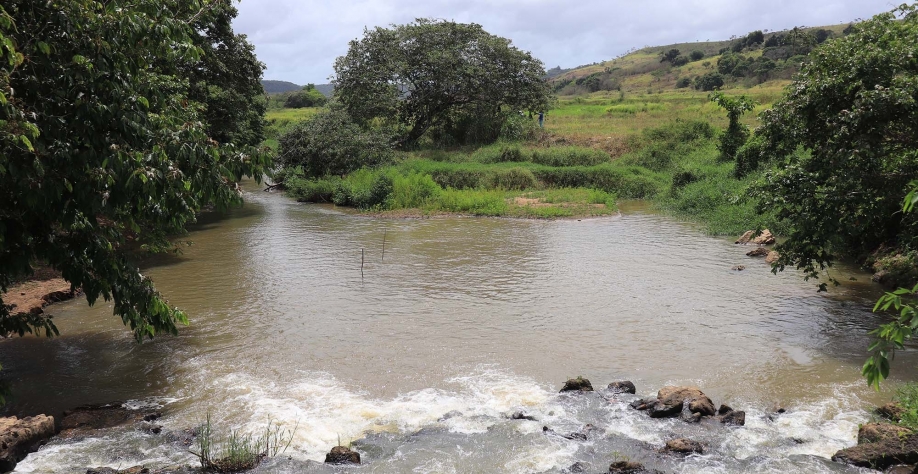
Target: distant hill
{"x": 280, "y": 87}
{"x": 771, "y": 56}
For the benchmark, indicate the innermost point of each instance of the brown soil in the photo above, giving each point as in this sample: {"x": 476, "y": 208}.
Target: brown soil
{"x": 43, "y": 288}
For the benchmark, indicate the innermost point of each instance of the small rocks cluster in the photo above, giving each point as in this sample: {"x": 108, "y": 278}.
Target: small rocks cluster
{"x": 761, "y": 241}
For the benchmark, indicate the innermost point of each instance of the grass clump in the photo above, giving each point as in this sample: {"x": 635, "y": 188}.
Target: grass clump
{"x": 239, "y": 452}
{"x": 907, "y": 398}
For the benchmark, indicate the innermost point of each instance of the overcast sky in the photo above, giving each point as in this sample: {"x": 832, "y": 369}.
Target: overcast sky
{"x": 299, "y": 40}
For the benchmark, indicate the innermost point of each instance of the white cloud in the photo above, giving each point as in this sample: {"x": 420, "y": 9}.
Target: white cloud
{"x": 299, "y": 40}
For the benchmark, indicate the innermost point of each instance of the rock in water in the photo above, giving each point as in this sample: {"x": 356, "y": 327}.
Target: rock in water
{"x": 623, "y": 387}
{"x": 746, "y": 238}
{"x": 684, "y": 446}
{"x": 890, "y": 450}
{"x": 758, "y": 252}
{"x": 891, "y": 411}
{"x": 21, "y": 437}
{"x": 697, "y": 401}
{"x": 732, "y": 417}
{"x": 342, "y": 455}
{"x": 80, "y": 421}
{"x": 739, "y": 268}
{"x": 765, "y": 238}
{"x": 626, "y": 467}
{"x": 876, "y": 432}
{"x": 578, "y": 384}
{"x": 772, "y": 257}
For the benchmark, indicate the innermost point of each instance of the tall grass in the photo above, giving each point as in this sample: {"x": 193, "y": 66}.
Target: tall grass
{"x": 239, "y": 452}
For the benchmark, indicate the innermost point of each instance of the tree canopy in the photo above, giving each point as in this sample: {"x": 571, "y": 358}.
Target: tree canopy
{"x": 845, "y": 138}
{"x": 430, "y": 72}
{"x": 119, "y": 121}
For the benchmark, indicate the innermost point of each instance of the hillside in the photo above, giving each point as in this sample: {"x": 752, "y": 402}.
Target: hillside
{"x": 280, "y": 87}
{"x": 745, "y": 61}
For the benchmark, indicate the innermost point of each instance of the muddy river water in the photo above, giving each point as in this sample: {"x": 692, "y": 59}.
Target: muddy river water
{"x": 418, "y": 359}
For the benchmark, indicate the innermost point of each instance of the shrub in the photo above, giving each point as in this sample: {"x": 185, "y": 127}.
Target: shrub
{"x": 709, "y": 82}
{"x": 513, "y": 179}
{"x": 312, "y": 189}
{"x": 364, "y": 189}
{"x": 519, "y": 127}
{"x": 412, "y": 190}
{"x": 332, "y": 144}
{"x": 680, "y": 61}
{"x": 696, "y": 55}
{"x": 683, "y": 83}
{"x": 569, "y": 156}
{"x": 684, "y": 178}
{"x": 305, "y": 98}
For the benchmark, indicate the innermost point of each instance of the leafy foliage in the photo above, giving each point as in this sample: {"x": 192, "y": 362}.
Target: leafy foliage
{"x": 106, "y": 142}
{"x": 429, "y": 72}
{"x": 736, "y": 133}
{"x": 309, "y": 96}
{"x": 853, "y": 111}
{"x": 332, "y": 144}
{"x": 709, "y": 82}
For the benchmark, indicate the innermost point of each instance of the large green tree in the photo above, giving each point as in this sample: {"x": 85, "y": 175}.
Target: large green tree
{"x": 431, "y": 72}
{"x": 109, "y": 141}
{"x": 845, "y": 141}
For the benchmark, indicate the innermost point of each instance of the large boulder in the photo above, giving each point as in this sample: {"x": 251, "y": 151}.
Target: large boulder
{"x": 342, "y": 455}
{"x": 750, "y": 237}
{"x": 578, "y": 384}
{"x": 697, "y": 401}
{"x": 19, "y": 437}
{"x": 772, "y": 257}
{"x": 890, "y": 450}
{"x": 729, "y": 416}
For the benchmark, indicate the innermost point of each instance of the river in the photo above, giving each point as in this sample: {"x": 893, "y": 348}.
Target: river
{"x": 472, "y": 317}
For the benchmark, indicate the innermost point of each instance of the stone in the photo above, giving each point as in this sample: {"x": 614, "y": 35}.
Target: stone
{"x": 19, "y": 437}
{"x": 765, "y": 238}
{"x": 758, "y": 252}
{"x": 450, "y": 415}
{"x": 882, "y": 454}
{"x": 724, "y": 409}
{"x": 578, "y": 384}
{"x": 578, "y": 467}
{"x": 738, "y": 268}
{"x": 772, "y": 257}
{"x": 662, "y": 410}
{"x": 626, "y": 467}
{"x": 891, "y": 411}
{"x": 642, "y": 404}
{"x": 901, "y": 469}
{"x": 623, "y": 387}
{"x": 698, "y": 402}
{"x": 876, "y": 432}
{"x": 522, "y": 416}
{"x": 684, "y": 446}
{"x": 87, "y": 418}
{"x": 737, "y": 418}
{"x": 342, "y": 455}
{"x": 746, "y": 238}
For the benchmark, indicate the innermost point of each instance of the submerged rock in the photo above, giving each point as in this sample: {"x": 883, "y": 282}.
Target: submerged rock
{"x": 19, "y": 437}
{"x": 739, "y": 268}
{"x": 143, "y": 470}
{"x": 450, "y": 415}
{"x": 522, "y": 416}
{"x": 342, "y": 455}
{"x": 626, "y": 467}
{"x": 729, "y": 416}
{"x": 623, "y": 387}
{"x": 684, "y": 446}
{"x": 578, "y": 384}
{"x": 578, "y": 467}
{"x": 81, "y": 420}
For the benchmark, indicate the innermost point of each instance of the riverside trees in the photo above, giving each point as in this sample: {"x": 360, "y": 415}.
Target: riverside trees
{"x": 431, "y": 73}
{"x": 119, "y": 121}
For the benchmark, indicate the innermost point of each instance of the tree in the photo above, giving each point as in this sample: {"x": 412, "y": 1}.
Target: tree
{"x": 696, "y": 55}
{"x": 709, "y": 82}
{"x": 103, "y": 150}
{"x": 309, "y": 96}
{"x": 845, "y": 140}
{"x": 669, "y": 56}
{"x": 424, "y": 73}
{"x": 737, "y": 133}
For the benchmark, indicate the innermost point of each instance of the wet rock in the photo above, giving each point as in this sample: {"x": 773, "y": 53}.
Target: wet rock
{"x": 798, "y": 440}
{"x": 891, "y": 411}
{"x": 578, "y": 384}
{"x": 738, "y": 268}
{"x": 697, "y": 401}
{"x": 758, "y": 252}
{"x": 662, "y": 410}
{"x": 881, "y": 454}
{"x": 183, "y": 438}
{"x": 876, "y": 432}
{"x": 724, "y": 409}
{"x": 737, "y": 418}
{"x": 643, "y": 403}
{"x": 81, "y": 420}
{"x": 522, "y": 416}
{"x": 578, "y": 436}
{"x": 687, "y": 415}
{"x": 626, "y": 467}
{"x": 578, "y": 467}
{"x": 684, "y": 446}
{"x": 453, "y": 414}
{"x": 623, "y": 387}
{"x": 19, "y": 437}
{"x": 772, "y": 257}
{"x": 143, "y": 470}
{"x": 151, "y": 428}
{"x": 342, "y": 455}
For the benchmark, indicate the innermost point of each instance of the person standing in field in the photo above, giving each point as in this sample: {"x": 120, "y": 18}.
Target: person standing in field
{"x": 541, "y": 119}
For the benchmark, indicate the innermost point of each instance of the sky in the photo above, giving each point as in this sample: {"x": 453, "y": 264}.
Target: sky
{"x": 298, "y": 40}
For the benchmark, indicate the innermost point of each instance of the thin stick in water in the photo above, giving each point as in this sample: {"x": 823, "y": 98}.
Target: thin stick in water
{"x": 385, "y": 233}
{"x": 361, "y": 263}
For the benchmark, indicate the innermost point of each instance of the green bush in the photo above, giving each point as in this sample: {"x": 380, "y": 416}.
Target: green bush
{"x": 628, "y": 182}
{"x": 513, "y": 179}
{"x": 312, "y": 189}
{"x": 364, "y": 189}
{"x": 480, "y": 203}
{"x": 412, "y": 190}
{"x": 332, "y": 144}
{"x": 683, "y": 83}
{"x": 709, "y": 81}
{"x": 907, "y": 397}
{"x": 696, "y": 55}
{"x": 569, "y": 156}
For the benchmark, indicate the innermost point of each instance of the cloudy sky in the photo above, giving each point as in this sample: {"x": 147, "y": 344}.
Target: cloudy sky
{"x": 299, "y": 39}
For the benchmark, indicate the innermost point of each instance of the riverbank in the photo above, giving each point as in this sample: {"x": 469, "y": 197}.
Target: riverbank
{"x": 44, "y": 287}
